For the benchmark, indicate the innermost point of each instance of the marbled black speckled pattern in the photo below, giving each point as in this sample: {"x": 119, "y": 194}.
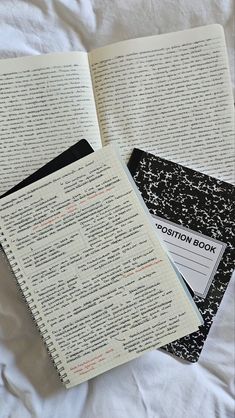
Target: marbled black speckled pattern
{"x": 201, "y": 203}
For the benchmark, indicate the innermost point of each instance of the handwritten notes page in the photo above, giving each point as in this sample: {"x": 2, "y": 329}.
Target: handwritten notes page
{"x": 46, "y": 105}
{"x": 170, "y": 95}
{"x": 87, "y": 257}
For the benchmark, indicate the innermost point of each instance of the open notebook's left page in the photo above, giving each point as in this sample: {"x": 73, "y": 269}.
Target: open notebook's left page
{"x": 92, "y": 269}
{"x": 46, "y": 105}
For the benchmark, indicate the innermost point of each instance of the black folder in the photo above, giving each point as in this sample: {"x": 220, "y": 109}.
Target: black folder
{"x": 75, "y": 152}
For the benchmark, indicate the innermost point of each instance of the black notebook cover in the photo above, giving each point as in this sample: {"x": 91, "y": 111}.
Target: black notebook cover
{"x": 72, "y": 154}
{"x": 194, "y": 216}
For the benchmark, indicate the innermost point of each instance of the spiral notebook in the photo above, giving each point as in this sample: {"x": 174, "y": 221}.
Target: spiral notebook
{"x": 193, "y": 214}
{"x": 95, "y": 276}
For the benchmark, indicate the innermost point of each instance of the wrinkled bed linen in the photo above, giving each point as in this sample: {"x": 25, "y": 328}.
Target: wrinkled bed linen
{"x": 156, "y": 385}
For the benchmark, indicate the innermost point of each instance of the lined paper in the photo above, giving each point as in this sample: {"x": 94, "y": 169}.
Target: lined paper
{"x": 94, "y": 268}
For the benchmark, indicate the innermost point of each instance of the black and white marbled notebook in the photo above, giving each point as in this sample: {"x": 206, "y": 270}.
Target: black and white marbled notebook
{"x": 193, "y": 214}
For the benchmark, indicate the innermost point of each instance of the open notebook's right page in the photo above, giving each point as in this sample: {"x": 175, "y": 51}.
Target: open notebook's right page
{"x": 193, "y": 214}
{"x": 171, "y": 95}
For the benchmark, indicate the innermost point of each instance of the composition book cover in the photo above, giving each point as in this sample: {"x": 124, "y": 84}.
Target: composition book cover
{"x": 193, "y": 215}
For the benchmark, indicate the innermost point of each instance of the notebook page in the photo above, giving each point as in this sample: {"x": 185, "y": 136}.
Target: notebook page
{"x": 89, "y": 261}
{"x": 170, "y": 95}
{"x": 46, "y": 105}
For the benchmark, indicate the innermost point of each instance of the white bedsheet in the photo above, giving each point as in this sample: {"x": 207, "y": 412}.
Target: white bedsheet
{"x": 156, "y": 385}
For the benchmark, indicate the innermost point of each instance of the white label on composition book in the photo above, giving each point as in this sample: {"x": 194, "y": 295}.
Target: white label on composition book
{"x": 196, "y": 255}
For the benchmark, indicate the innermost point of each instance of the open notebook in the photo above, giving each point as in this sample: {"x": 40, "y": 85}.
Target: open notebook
{"x": 92, "y": 270}
{"x": 170, "y": 94}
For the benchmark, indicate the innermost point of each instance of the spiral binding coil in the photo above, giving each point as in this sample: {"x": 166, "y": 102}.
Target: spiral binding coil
{"x": 27, "y": 296}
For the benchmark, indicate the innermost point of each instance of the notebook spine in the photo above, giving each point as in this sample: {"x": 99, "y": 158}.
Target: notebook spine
{"x": 27, "y": 296}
